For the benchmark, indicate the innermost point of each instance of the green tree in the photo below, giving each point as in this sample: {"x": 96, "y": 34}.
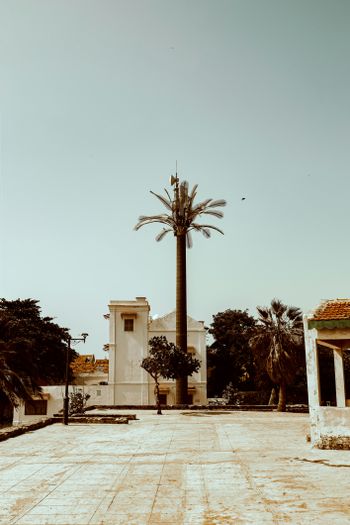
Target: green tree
{"x": 181, "y": 219}
{"x": 168, "y": 361}
{"x": 32, "y": 351}
{"x": 46, "y": 339}
{"x": 278, "y": 344}
{"x": 19, "y": 378}
{"x": 230, "y": 359}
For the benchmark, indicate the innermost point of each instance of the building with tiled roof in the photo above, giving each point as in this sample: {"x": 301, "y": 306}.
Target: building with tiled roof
{"x": 334, "y": 313}
{"x": 102, "y": 365}
{"x": 327, "y": 333}
{"x": 89, "y": 371}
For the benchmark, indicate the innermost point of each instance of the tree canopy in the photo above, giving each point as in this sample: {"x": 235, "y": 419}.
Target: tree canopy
{"x": 32, "y": 349}
{"x": 278, "y": 344}
{"x": 168, "y": 361}
{"x": 230, "y": 359}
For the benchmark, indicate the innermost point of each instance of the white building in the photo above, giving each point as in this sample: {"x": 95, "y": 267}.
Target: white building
{"x": 121, "y": 380}
{"x": 130, "y": 329}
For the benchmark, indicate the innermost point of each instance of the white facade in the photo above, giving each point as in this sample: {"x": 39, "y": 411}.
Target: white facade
{"x": 130, "y": 329}
{"x": 126, "y": 383}
{"x": 51, "y": 401}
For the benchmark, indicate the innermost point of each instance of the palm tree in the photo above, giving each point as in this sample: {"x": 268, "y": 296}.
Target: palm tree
{"x": 180, "y": 219}
{"x": 278, "y": 344}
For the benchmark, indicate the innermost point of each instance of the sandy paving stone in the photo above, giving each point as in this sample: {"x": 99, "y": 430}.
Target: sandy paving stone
{"x": 237, "y": 468}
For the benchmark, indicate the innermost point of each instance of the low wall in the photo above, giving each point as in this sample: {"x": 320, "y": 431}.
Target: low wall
{"x": 259, "y": 408}
{"x": 330, "y": 427}
{"x": 10, "y": 432}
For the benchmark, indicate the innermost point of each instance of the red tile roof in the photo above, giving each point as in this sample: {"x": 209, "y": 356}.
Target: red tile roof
{"x": 87, "y": 364}
{"x": 102, "y": 365}
{"x": 332, "y": 310}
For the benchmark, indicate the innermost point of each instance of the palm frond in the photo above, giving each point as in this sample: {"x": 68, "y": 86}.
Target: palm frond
{"x": 263, "y": 312}
{"x": 206, "y": 232}
{"x": 163, "y": 200}
{"x": 163, "y": 219}
{"x": 217, "y": 203}
{"x": 168, "y": 195}
{"x": 201, "y": 206}
{"x": 193, "y": 194}
{"x": 201, "y": 228}
{"x": 278, "y": 308}
{"x": 198, "y": 227}
{"x": 163, "y": 233}
{"x": 189, "y": 242}
{"x": 294, "y": 313}
{"x": 215, "y": 213}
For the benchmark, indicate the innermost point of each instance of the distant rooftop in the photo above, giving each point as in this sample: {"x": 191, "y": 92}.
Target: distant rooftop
{"x": 87, "y": 364}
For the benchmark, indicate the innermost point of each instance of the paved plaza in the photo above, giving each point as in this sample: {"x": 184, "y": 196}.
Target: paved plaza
{"x": 190, "y": 467}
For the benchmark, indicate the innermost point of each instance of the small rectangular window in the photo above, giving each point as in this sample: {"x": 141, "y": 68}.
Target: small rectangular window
{"x": 128, "y": 325}
{"x": 36, "y": 408}
{"x": 98, "y": 392}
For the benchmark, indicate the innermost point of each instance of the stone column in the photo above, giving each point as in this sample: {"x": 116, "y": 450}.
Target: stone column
{"x": 313, "y": 380}
{"x": 339, "y": 378}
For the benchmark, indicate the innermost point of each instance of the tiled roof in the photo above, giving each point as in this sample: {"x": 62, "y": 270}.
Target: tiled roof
{"x": 83, "y": 364}
{"x": 335, "y": 309}
{"x": 102, "y": 365}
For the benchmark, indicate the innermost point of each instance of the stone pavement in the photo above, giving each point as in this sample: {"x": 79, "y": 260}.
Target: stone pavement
{"x": 190, "y": 467}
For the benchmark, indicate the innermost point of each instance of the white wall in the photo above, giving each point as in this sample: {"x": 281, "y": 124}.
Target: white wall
{"x": 55, "y": 394}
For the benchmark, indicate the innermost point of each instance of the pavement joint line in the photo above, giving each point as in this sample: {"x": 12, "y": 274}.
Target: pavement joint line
{"x": 252, "y": 484}
{"x": 121, "y": 477}
{"x": 25, "y": 478}
{"x": 42, "y": 499}
{"x": 160, "y": 475}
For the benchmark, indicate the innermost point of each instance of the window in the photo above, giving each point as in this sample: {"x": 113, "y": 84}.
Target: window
{"x": 98, "y": 392}
{"x": 128, "y": 325}
{"x": 36, "y": 407}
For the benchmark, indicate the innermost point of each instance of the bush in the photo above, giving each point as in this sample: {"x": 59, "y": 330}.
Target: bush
{"x": 250, "y": 397}
{"x": 77, "y": 402}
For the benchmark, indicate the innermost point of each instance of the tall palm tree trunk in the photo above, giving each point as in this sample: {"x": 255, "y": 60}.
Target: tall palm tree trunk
{"x": 181, "y": 313}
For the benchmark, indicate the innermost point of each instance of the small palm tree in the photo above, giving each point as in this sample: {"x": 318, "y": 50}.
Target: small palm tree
{"x": 181, "y": 219}
{"x": 278, "y": 344}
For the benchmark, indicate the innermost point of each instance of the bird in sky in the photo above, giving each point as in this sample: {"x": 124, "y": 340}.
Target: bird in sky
{"x": 243, "y": 199}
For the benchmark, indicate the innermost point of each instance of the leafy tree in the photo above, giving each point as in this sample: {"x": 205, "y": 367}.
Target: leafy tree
{"x": 168, "y": 361}
{"x": 32, "y": 350}
{"x": 278, "y": 344}
{"x": 18, "y": 377}
{"x": 181, "y": 220}
{"x": 46, "y": 339}
{"x": 230, "y": 359}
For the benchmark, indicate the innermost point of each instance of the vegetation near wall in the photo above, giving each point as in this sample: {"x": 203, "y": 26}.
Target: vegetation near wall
{"x": 167, "y": 361}
{"x": 32, "y": 352}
